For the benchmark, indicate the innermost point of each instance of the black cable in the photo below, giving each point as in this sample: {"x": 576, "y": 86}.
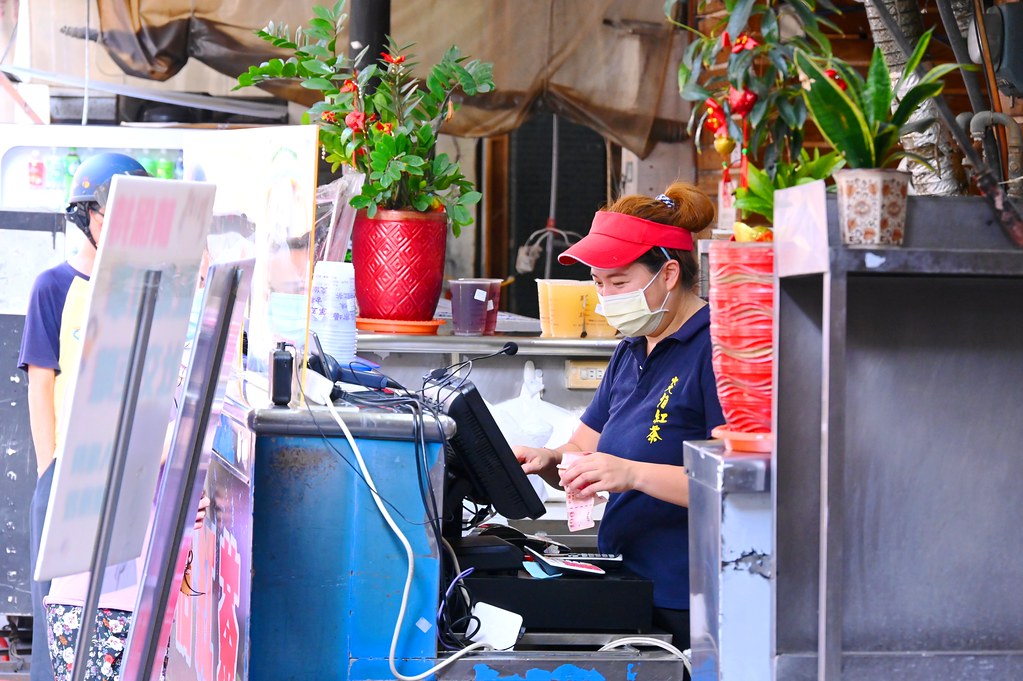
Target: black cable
{"x": 329, "y": 442}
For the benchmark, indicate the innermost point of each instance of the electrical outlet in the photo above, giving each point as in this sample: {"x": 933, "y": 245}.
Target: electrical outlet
{"x": 583, "y": 374}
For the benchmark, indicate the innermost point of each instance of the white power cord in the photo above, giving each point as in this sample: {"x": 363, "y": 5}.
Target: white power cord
{"x": 646, "y": 641}
{"x": 408, "y": 552}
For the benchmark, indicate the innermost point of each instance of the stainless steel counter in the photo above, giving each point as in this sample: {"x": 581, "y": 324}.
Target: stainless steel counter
{"x": 379, "y": 343}
{"x": 407, "y": 358}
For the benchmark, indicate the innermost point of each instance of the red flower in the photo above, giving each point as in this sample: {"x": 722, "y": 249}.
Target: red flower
{"x": 744, "y": 42}
{"x": 356, "y": 120}
{"x": 385, "y": 127}
{"x": 715, "y": 115}
{"x": 349, "y": 86}
{"x": 108, "y": 658}
{"x": 329, "y": 117}
{"x": 741, "y": 101}
{"x": 393, "y": 58}
{"x": 725, "y": 41}
{"x": 833, "y": 75}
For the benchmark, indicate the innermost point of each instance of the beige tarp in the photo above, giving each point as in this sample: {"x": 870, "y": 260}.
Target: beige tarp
{"x": 604, "y": 63}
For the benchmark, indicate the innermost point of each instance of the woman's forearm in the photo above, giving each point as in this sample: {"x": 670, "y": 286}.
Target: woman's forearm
{"x": 662, "y": 481}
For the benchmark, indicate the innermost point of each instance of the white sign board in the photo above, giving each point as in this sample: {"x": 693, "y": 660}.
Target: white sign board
{"x": 150, "y": 225}
{"x": 801, "y": 230}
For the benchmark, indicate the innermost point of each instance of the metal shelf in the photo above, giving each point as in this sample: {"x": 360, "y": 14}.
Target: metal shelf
{"x": 482, "y": 345}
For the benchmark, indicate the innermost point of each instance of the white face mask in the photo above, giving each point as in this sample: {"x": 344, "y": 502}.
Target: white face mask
{"x": 629, "y": 312}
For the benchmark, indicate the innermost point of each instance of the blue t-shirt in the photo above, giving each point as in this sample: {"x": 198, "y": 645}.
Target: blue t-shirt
{"x": 41, "y": 338}
{"x": 644, "y": 409}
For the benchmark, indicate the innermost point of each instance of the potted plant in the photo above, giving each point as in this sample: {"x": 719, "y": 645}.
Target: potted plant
{"x": 863, "y": 119}
{"x": 740, "y": 71}
{"x": 758, "y": 197}
{"x": 384, "y": 121}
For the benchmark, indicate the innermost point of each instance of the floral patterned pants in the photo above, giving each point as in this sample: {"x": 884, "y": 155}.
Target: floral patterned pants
{"x": 110, "y": 635}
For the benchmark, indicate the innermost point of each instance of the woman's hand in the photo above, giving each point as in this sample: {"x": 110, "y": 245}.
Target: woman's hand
{"x": 539, "y": 460}
{"x": 599, "y": 472}
{"x": 536, "y": 459}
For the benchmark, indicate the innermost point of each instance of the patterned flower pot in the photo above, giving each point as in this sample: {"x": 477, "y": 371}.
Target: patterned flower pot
{"x": 872, "y": 205}
{"x": 399, "y": 263}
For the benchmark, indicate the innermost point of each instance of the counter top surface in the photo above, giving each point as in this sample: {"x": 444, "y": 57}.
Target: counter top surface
{"x": 481, "y": 345}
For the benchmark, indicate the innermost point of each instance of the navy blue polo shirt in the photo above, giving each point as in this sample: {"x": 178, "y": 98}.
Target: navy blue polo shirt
{"x": 644, "y": 409}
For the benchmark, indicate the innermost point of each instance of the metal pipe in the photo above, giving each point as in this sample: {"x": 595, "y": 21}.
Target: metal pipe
{"x": 980, "y": 123}
{"x": 1005, "y": 211}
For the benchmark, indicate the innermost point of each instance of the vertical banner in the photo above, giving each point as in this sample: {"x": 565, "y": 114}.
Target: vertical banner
{"x": 151, "y": 225}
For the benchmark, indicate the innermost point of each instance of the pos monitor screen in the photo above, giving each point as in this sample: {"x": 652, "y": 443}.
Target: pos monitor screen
{"x": 483, "y": 468}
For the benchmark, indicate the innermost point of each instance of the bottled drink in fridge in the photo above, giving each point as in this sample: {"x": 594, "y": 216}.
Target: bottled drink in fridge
{"x": 36, "y": 170}
{"x": 71, "y": 163}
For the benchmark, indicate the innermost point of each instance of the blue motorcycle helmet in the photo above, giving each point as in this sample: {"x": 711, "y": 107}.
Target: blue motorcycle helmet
{"x": 90, "y": 186}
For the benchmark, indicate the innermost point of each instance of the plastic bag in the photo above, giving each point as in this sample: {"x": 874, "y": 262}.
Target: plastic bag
{"x": 529, "y": 420}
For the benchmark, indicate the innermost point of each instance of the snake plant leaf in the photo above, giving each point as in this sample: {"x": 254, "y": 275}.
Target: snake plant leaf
{"x": 915, "y": 58}
{"x": 839, "y": 119}
{"x": 877, "y": 92}
{"x": 912, "y": 100}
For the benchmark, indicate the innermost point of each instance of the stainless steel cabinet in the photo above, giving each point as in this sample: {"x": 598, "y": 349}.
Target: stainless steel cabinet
{"x": 899, "y": 455}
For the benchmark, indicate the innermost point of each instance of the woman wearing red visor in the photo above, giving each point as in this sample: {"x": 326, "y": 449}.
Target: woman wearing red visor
{"x": 658, "y": 390}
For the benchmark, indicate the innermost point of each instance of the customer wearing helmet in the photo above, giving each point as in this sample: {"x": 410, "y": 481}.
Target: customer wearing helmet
{"x": 658, "y": 391}
{"x": 50, "y": 346}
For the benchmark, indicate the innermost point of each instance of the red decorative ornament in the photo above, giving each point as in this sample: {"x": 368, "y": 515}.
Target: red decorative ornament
{"x": 833, "y": 75}
{"x": 744, "y": 42}
{"x": 741, "y": 101}
{"x": 715, "y": 115}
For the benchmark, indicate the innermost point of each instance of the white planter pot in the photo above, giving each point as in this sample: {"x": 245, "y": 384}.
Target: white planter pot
{"x": 872, "y": 205}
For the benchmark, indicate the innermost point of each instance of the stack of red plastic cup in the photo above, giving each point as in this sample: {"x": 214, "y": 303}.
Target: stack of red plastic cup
{"x": 742, "y": 330}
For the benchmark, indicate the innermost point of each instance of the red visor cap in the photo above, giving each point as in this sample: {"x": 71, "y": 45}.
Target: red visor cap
{"x": 616, "y": 240}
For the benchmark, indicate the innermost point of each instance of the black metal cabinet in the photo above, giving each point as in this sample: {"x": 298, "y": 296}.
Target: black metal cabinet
{"x": 899, "y": 455}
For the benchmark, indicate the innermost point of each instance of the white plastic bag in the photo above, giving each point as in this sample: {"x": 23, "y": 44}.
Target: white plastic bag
{"x": 528, "y": 420}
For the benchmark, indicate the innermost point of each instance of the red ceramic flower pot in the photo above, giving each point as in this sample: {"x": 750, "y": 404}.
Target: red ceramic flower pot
{"x": 399, "y": 263}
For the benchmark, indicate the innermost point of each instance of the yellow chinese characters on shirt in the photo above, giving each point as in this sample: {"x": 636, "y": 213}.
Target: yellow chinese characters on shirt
{"x": 661, "y": 413}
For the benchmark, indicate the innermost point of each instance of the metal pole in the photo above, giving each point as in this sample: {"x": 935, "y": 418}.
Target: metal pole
{"x": 973, "y": 91}
{"x": 368, "y": 27}
{"x": 151, "y": 623}
{"x": 115, "y": 476}
{"x": 1006, "y": 212}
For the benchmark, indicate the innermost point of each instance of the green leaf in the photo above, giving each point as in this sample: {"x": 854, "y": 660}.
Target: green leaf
{"x": 323, "y": 13}
{"x": 739, "y": 15}
{"x": 837, "y": 117}
{"x": 912, "y": 101}
{"x": 318, "y": 84}
{"x": 318, "y": 51}
{"x": 877, "y": 94}
{"x": 915, "y": 58}
{"x": 759, "y": 183}
{"x": 317, "y": 67}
